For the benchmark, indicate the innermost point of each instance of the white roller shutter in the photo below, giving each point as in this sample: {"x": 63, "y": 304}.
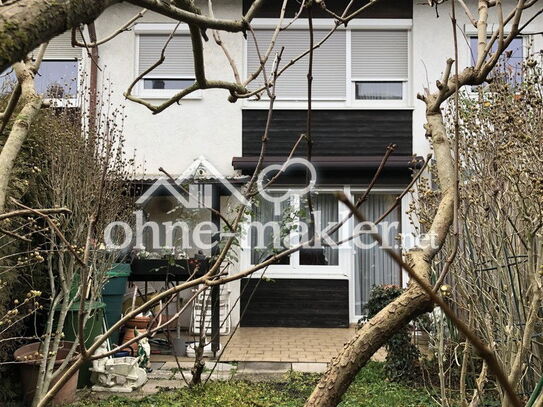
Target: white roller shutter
{"x": 179, "y": 58}
{"x": 60, "y": 47}
{"x": 329, "y": 67}
{"x": 377, "y": 54}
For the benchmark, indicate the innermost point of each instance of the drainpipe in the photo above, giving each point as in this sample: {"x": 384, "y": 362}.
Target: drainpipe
{"x": 93, "y": 79}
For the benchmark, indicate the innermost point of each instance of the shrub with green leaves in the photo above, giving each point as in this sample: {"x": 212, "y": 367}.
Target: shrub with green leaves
{"x": 402, "y": 361}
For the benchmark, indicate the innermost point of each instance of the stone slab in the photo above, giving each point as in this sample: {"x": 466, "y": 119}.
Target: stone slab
{"x": 306, "y": 367}
{"x": 173, "y": 365}
{"x": 153, "y": 386}
{"x": 156, "y": 365}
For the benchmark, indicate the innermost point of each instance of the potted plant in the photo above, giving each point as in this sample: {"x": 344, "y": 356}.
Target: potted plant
{"x": 30, "y": 357}
{"x": 165, "y": 265}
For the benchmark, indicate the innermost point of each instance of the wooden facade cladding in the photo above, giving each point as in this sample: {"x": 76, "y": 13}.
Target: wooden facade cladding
{"x": 383, "y": 9}
{"x": 334, "y": 132}
{"x": 295, "y": 303}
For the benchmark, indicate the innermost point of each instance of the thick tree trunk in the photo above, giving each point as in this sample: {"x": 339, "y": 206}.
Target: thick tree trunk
{"x": 367, "y": 340}
{"x": 413, "y": 302}
{"x": 26, "y": 24}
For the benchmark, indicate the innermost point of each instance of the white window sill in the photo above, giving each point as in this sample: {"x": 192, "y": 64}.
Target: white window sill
{"x": 328, "y": 105}
{"x": 168, "y": 94}
{"x": 61, "y": 102}
{"x": 302, "y": 272}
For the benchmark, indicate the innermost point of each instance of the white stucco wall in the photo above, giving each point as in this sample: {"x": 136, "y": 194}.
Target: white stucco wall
{"x": 433, "y": 45}
{"x": 212, "y": 126}
{"x": 172, "y": 139}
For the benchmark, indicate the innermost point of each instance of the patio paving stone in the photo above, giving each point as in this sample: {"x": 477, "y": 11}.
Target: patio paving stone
{"x": 305, "y": 367}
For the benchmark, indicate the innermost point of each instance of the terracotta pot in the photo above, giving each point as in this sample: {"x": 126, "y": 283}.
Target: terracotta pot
{"x": 29, "y": 371}
{"x": 130, "y": 334}
{"x": 138, "y": 322}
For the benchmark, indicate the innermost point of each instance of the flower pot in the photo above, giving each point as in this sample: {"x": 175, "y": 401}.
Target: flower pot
{"x": 29, "y": 371}
{"x": 129, "y": 333}
{"x": 138, "y": 323}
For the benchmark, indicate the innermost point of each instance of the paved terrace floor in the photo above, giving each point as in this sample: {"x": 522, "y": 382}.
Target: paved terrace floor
{"x": 259, "y": 353}
{"x": 285, "y": 344}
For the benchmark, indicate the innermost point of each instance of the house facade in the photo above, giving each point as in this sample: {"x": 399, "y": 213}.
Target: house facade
{"x": 366, "y": 78}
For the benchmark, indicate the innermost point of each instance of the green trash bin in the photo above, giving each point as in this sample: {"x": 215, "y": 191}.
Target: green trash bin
{"x": 93, "y": 328}
{"x": 113, "y": 295}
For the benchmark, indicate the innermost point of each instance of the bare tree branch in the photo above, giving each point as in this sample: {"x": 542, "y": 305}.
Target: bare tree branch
{"x": 125, "y": 27}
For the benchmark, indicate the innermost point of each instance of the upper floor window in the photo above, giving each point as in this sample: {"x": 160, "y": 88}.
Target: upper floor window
{"x": 353, "y": 67}
{"x": 58, "y": 75}
{"x": 379, "y": 64}
{"x": 174, "y": 74}
{"x": 509, "y": 66}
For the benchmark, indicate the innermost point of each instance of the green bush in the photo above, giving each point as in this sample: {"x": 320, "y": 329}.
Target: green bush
{"x": 369, "y": 389}
{"x": 402, "y": 361}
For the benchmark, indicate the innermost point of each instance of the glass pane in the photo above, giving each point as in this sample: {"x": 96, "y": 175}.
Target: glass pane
{"x": 379, "y": 90}
{"x": 57, "y": 79}
{"x": 268, "y": 230}
{"x": 175, "y": 84}
{"x": 373, "y": 266}
{"x": 325, "y": 210}
{"x": 510, "y": 63}
{"x": 7, "y": 81}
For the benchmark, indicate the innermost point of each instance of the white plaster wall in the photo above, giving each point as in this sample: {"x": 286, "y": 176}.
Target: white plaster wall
{"x": 433, "y": 45}
{"x": 172, "y": 139}
{"x": 212, "y": 126}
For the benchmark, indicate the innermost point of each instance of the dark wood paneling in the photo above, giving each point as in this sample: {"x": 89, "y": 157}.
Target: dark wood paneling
{"x": 334, "y": 132}
{"x": 295, "y": 303}
{"x": 383, "y": 9}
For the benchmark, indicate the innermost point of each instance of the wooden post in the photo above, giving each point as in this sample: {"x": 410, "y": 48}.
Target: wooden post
{"x": 215, "y": 290}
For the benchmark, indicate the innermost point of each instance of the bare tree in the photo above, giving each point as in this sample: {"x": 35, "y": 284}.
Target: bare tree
{"x": 495, "y": 278}
{"x": 25, "y": 93}
{"x": 416, "y": 299}
{"x": 419, "y": 297}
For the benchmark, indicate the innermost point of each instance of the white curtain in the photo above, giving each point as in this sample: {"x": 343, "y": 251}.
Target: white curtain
{"x": 263, "y": 212}
{"x": 373, "y": 266}
{"x": 325, "y": 206}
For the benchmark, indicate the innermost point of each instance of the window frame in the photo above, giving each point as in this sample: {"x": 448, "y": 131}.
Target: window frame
{"x": 470, "y": 31}
{"x": 345, "y": 267}
{"x": 159, "y": 94}
{"x": 350, "y": 101}
{"x": 67, "y": 101}
{"x": 471, "y": 57}
{"x": 295, "y": 269}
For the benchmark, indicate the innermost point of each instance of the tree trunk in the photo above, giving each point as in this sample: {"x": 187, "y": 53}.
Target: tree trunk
{"x": 367, "y": 340}
{"x": 19, "y": 131}
{"x": 414, "y": 301}
{"x": 26, "y": 24}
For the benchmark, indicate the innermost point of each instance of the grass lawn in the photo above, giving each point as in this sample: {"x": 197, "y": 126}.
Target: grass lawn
{"x": 370, "y": 389}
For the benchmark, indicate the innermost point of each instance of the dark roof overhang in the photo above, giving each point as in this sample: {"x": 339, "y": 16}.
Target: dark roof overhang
{"x": 248, "y": 164}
